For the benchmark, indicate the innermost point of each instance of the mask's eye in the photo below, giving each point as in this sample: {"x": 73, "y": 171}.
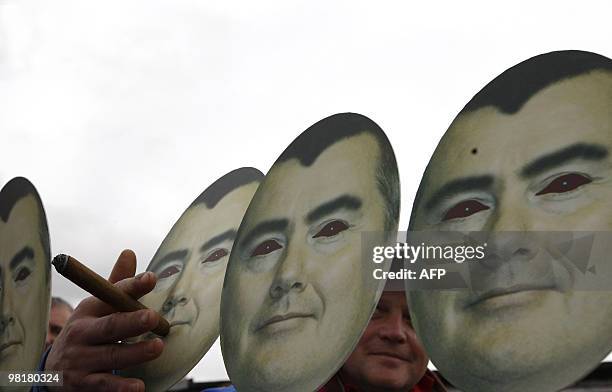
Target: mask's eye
{"x": 331, "y": 229}
{"x": 22, "y": 274}
{"x": 266, "y": 247}
{"x": 464, "y": 209}
{"x": 169, "y": 271}
{"x": 565, "y": 183}
{"x": 216, "y": 255}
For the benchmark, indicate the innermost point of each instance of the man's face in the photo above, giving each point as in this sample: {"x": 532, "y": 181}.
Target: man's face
{"x": 25, "y": 290}
{"x": 58, "y": 317}
{"x": 297, "y": 293}
{"x": 544, "y": 168}
{"x": 388, "y": 356}
{"x": 190, "y": 266}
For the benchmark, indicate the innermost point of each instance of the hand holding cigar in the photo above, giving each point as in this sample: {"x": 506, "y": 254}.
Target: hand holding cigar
{"x": 99, "y": 287}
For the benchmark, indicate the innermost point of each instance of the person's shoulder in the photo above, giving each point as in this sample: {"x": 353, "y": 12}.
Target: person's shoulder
{"x": 429, "y": 383}
{"x": 221, "y": 389}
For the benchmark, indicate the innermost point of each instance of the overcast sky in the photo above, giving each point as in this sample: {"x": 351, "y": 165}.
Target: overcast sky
{"x": 122, "y": 112}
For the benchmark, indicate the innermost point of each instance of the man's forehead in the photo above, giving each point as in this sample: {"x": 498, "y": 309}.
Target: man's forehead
{"x": 346, "y": 167}
{"x": 60, "y": 311}
{"x": 199, "y": 221}
{"x": 192, "y": 232}
{"x": 21, "y": 228}
{"x": 25, "y": 209}
{"x": 394, "y": 298}
{"x": 574, "y": 110}
{"x": 239, "y": 197}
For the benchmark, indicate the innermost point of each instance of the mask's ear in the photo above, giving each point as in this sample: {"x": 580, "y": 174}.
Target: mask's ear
{"x": 24, "y": 261}
{"x": 187, "y": 294}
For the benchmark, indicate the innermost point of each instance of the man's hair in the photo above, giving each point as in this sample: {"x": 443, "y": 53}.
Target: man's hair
{"x": 307, "y": 147}
{"x": 509, "y": 91}
{"x": 57, "y": 301}
{"x": 15, "y": 190}
{"x": 215, "y": 192}
{"x": 224, "y": 185}
{"x": 514, "y": 87}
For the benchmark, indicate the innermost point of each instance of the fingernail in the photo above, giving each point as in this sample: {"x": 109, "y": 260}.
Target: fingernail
{"x": 140, "y": 275}
{"x": 135, "y": 387}
{"x": 146, "y": 317}
{"x": 151, "y": 349}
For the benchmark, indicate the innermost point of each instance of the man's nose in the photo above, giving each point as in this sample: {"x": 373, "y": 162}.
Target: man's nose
{"x": 509, "y": 235}
{"x": 5, "y": 322}
{"x": 289, "y": 274}
{"x": 177, "y": 299}
{"x": 512, "y": 214}
{"x": 49, "y": 339}
{"x": 395, "y": 329}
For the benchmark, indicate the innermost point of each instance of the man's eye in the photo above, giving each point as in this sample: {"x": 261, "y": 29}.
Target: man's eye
{"x": 331, "y": 229}
{"x": 565, "y": 183}
{"x": 168, "y": 271}
{"x": 22, "y": 274}
{"x": 266, "y": 247}
{"x": 407, "y": 317}
{"x": 377, "y": 312}
{"x": 216, "y": 255}
{"x": 464, "y": 209}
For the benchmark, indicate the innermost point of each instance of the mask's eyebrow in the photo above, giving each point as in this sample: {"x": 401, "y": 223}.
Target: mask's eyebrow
{"x": 344, "y": 202}
{"x": 588, "y": 152}
{"x": 176, "y": 255}
{"x": 228, "y": 235}
{"x": 459, "y": 185}
{"x": 265, "y": 227}
{"x": 25, "y": 253}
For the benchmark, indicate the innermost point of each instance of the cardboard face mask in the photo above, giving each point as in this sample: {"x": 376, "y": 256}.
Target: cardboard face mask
{"x": 529, "y": 153}
{"x": 190, "y": 265}
{"x": 298, "y": 292}
{"x": 25, "y": 284}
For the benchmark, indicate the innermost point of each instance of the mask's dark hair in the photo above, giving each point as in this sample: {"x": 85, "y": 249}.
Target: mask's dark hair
{"x": 316, "y": 139}
{"x": 15, "y": 190}
{"x": 215, "y": 192}
{"x": 514, "y": 87}
{"x": 224, "y": 185}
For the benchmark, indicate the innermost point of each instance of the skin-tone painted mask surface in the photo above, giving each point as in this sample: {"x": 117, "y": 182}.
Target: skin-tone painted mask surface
{"x": 25, "y": 287}
{"x": 388, "y": 357}
{"x": 190, "y": 266}
{"x": 546, "y": 167}
{"x": 298, "y": 293}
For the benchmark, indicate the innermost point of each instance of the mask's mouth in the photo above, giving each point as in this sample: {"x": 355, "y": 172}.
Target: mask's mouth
{"x": 499, "y": 293}
{"x": 281, "y": 318}
{"x": 4, "y": 346}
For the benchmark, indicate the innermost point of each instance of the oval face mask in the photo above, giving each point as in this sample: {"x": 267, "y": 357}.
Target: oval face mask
{"x": 190, "y": 265}
{"x": 25, "y": 273}
{"x": 527, "y": 165}
{"x": 299, "y": 289}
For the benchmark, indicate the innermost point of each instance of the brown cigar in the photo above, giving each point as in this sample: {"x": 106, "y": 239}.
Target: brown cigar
{"x": 102, "y": 289}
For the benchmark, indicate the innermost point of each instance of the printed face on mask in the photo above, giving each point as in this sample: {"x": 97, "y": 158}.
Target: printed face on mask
{"x": 297, "y": 284}
{"x": 190, "y": 266}
{"x": 545, "y": 168}
{"x": 24, "y": 278}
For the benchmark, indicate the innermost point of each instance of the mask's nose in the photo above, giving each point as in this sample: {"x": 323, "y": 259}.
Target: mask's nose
{"x": 5, "y": 321}
{"x": 289, "y": 274}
